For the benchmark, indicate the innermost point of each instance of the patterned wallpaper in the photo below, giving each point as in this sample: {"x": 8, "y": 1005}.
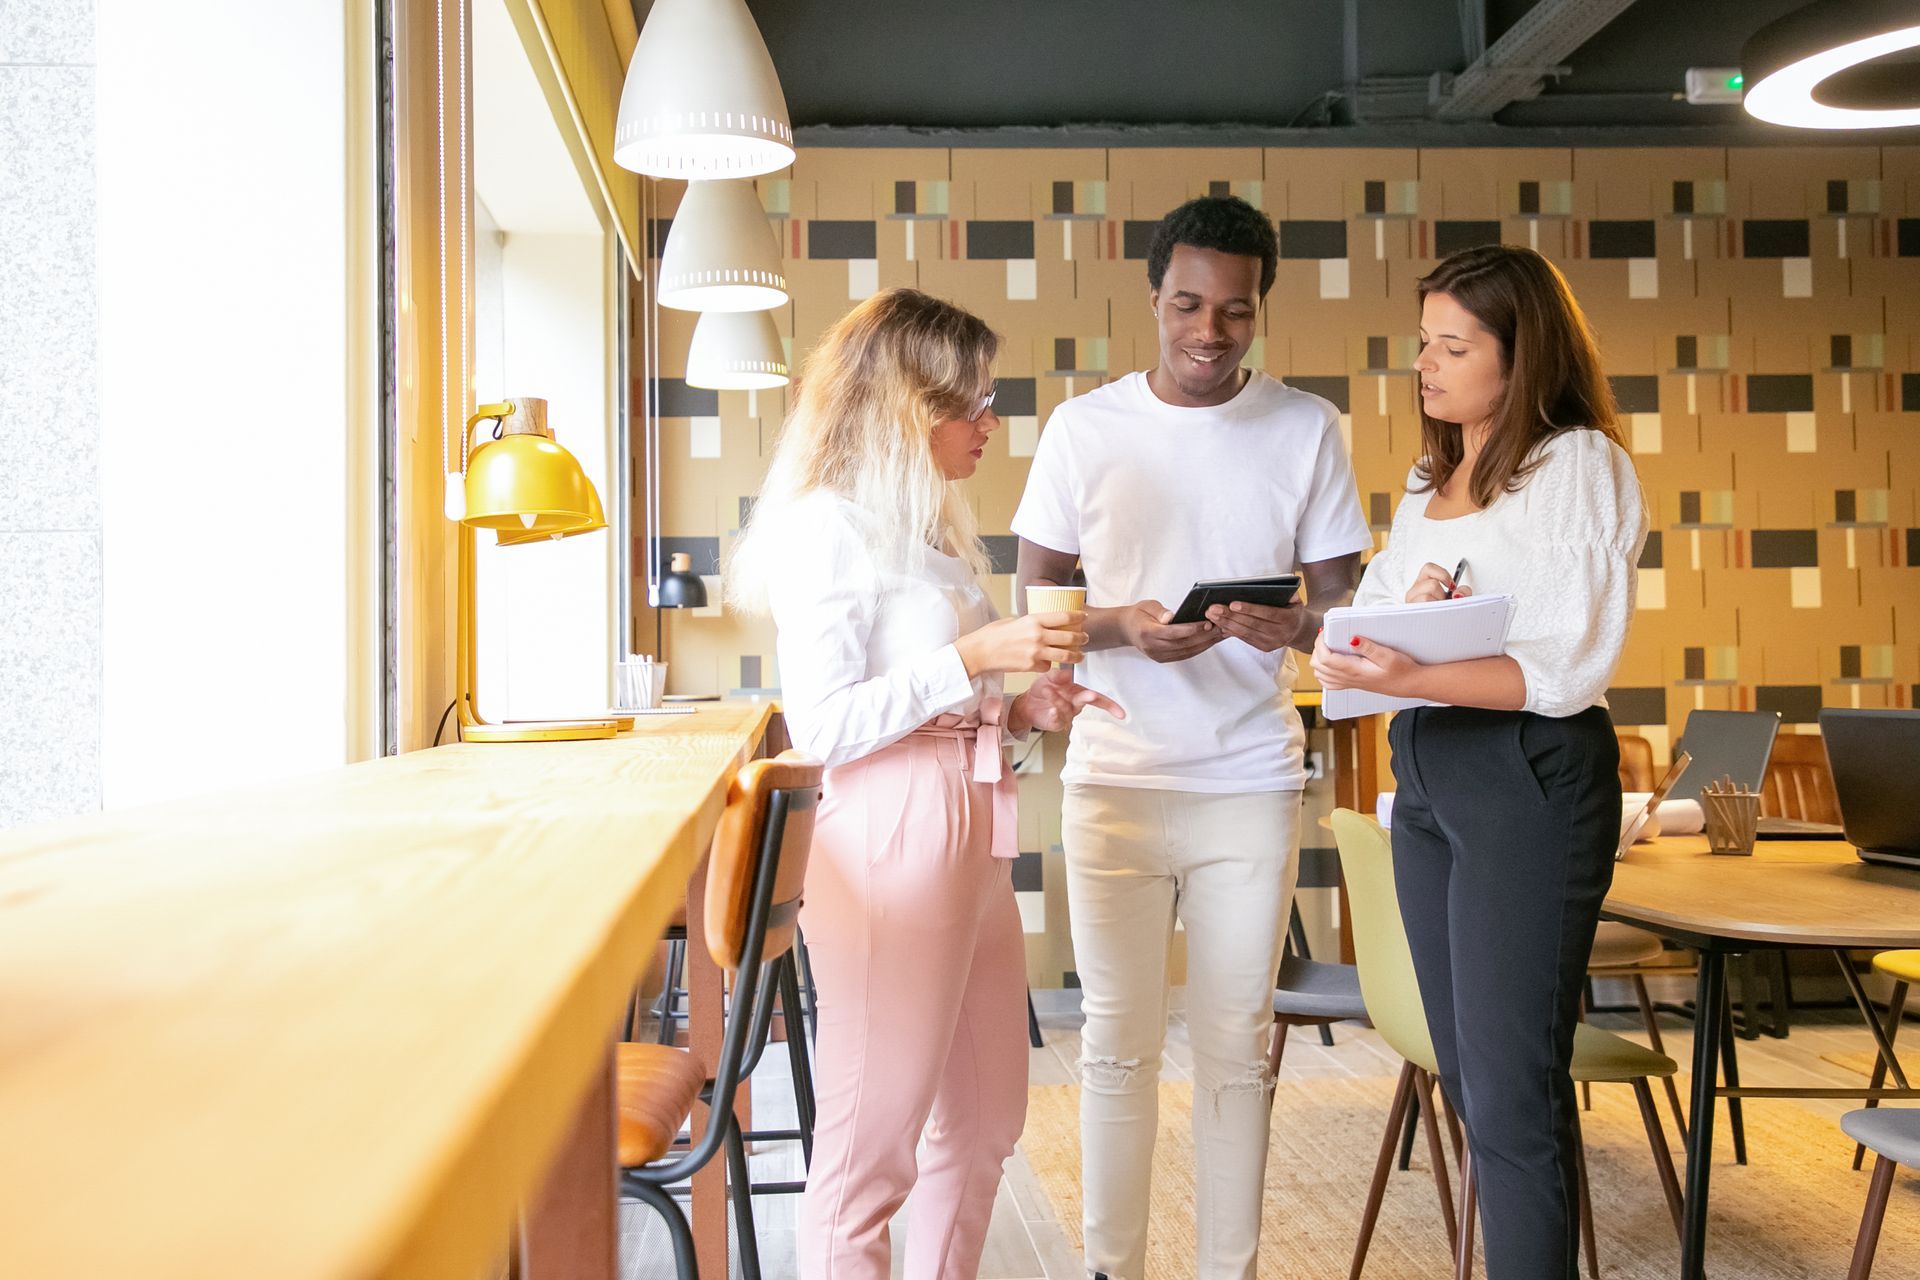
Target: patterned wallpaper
{"x": 1758, "y": 309}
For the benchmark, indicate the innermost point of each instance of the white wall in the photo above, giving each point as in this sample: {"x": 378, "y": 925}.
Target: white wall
{"x": 50, "y": 429}
{"x": 544, "y": 608}
{"x": 224, "y": 394}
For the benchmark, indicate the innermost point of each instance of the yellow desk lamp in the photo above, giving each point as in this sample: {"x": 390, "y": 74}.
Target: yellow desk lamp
{"x": 522, "y": 484}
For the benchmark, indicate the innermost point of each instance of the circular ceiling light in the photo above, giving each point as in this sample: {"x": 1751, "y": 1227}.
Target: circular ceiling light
{"x": 1837, "y": 64}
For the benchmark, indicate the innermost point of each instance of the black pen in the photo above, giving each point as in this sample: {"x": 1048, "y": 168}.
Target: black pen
{"x": 1454, "y": 592}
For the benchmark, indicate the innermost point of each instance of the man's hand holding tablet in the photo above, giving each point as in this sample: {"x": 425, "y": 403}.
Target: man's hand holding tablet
{"x": 1263, "y": 612}
{"x": 1148, "y": 626}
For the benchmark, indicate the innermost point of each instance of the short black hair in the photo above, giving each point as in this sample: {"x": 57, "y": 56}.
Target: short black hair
{"x": 1226, "y": 224}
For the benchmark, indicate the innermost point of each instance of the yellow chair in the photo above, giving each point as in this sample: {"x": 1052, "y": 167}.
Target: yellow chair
{"x": 1392, "y": 995}
{"x": 1904, "y": 968}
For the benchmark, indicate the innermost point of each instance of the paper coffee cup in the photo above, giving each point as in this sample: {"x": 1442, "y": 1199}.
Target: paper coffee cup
{"x": 1056, "y": 599}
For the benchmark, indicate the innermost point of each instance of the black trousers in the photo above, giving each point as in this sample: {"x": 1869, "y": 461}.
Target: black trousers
{"x": 1504, "y": 827}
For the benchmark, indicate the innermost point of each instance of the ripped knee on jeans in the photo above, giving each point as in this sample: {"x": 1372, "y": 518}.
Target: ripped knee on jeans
{"x": 1109, "y": 1075}
{"x": 1254, "y": 1078}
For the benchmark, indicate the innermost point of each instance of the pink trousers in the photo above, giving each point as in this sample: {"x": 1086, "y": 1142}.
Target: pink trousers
{"x": 920, "y": 965}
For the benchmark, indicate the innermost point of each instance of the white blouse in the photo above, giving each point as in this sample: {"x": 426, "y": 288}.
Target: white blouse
{"x": 1566, "y": 547}
{"x": 866, "y": 656}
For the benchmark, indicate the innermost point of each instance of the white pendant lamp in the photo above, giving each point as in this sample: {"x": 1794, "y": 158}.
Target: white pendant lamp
{"x": 701, "y": 99}
{"x": 1836, "y": 64}
{"x": 737, "y": 351}
{"x": 721, "y": 254}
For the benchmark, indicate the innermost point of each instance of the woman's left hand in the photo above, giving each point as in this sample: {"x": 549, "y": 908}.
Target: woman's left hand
{"x": 1051, "y": 702}
{"x": 1366, "y": 665}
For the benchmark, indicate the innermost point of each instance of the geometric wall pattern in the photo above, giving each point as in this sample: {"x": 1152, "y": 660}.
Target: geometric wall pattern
{"x": 1758, "y": 311}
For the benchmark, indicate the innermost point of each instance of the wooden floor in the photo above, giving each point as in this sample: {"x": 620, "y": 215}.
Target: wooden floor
{"x": 1026, "y": 1241}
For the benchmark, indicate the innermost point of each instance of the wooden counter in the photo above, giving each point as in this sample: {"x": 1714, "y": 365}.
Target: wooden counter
{"x": 336, "y": 1027}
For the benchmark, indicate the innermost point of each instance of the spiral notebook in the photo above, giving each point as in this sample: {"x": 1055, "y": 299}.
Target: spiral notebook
{"x": 1438, "y": 631}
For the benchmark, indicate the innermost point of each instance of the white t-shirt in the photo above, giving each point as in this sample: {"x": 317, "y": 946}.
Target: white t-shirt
{"x": 866, "y": 654}
{"x": 1151, "y": 497}
{"x": 1566, "y": 547}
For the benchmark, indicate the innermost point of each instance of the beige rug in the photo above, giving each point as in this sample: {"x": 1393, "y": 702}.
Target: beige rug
{"x": 1791, "y": 1213}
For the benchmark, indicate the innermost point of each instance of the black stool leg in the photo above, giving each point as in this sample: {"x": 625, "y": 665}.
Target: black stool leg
{"x": 740, "y": 1191}
{"x": 804, "y": 963}
{"x": 1406, "y": 1138}
{"x": 797, "y": 1053}
{"x": 665, "y": 1006}
{"x": 677, "y": 1230}
{"x": 1033, "y": 1024}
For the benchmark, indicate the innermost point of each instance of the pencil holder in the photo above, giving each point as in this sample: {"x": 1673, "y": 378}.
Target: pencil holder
{"x": 1732, "y": 818}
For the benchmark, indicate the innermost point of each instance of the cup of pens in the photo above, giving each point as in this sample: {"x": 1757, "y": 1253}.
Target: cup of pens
{"x": 639, "y": 683}
{"x": 1733, "y": 816}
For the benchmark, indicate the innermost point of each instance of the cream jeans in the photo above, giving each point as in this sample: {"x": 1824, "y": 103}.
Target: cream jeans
{"x": 1224, "y": 866}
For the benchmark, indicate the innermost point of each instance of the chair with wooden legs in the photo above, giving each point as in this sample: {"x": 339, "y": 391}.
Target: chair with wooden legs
{"x": 1894, "y": 1136}
{"x": 754, "y": 878}
{"x": 1311, "y": 993}
{"x": 1622, "y": 951}
{"x": 1904, "y": 968}
{"x": 1392, "y": 996}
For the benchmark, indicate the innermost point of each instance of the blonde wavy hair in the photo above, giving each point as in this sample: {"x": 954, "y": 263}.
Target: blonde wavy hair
{"x": 861, "y": 427}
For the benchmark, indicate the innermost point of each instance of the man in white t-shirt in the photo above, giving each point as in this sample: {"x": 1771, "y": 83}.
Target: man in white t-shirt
{"x": 1190, "y": 808}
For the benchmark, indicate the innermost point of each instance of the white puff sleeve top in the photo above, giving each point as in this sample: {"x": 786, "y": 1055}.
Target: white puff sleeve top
{"x": 1566, "y": 547}
{"x": 866, "y": 655}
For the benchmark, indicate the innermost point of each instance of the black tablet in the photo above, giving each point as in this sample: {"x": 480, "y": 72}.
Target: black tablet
{"x": 1276, "y": 592}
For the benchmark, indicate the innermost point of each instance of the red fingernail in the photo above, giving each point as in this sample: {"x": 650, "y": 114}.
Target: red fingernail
{"x": 1355, "y": 642}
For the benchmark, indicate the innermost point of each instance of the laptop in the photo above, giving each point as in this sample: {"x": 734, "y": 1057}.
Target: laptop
{"x": 1661, "y": 790}
{"x": 1875, "y": 758}
{"x": 1726, "y": 744}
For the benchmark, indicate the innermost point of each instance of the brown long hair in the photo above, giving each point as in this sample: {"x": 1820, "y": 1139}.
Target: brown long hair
{"x": 1548, "y": 357}
{"x": 861, "y": 426}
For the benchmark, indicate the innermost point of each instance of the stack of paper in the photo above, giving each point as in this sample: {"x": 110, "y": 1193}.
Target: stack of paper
{"x": 1437, "y": 631}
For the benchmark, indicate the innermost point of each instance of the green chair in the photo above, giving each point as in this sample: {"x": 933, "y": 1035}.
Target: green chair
{"x": 1392, "y": 996}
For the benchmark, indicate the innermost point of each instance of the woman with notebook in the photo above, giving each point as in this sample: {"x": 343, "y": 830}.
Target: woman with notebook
{"x": 1508, "y": 803}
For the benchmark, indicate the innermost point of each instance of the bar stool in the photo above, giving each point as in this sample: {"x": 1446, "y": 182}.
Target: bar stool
{"x": 754, "y": 878}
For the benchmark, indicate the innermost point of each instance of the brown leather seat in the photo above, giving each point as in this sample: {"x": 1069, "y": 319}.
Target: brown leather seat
{"x": 1798, "y": 783}
{"x": 1636, "y": 762}
{"x": 657, "y": 1087}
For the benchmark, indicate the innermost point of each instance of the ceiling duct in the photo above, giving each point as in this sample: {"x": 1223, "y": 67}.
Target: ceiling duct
{"x": 1515, "y": 67}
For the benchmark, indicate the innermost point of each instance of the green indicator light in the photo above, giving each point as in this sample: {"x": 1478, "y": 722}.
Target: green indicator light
{"x": 1736, "y": 82}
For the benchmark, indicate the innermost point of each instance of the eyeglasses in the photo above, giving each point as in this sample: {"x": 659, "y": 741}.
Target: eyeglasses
{"x": 986, "y": 403}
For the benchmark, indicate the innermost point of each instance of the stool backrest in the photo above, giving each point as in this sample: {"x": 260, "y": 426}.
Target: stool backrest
{"x": 768, "y": 820}
{"x": 1380, "y": 950}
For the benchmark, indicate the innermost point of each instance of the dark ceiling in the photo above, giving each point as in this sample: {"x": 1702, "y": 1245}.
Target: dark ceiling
{"x": 865, "y": 70}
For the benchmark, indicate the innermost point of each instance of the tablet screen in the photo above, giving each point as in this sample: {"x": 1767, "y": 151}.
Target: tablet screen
{"x": 1276, "y": 591}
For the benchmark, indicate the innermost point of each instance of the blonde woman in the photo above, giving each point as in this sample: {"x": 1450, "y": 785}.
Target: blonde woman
{"x": 863, "y": 548}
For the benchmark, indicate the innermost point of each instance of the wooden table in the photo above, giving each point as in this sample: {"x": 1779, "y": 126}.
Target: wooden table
{"x": 1788, "y": 894}
{"x": 346, "y": 1025}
